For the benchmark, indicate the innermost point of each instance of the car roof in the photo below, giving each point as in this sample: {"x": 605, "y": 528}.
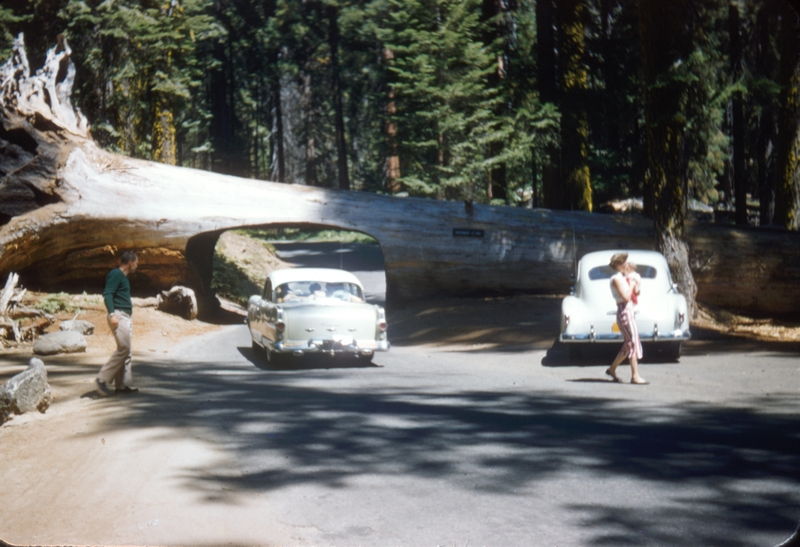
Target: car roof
{"x": 638, "y": 256}
{"x": 327, "y": 275}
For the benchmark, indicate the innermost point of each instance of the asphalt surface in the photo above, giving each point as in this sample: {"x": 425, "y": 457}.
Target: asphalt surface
{"x": 456, "y": 445}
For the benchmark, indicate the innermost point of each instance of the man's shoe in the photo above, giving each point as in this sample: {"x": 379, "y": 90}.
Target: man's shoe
{"x": 101, "y": 388}
{"x": 127, "y": 389}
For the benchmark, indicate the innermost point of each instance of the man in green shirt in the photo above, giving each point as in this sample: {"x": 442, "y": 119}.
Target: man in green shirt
{"x": 117, "y": 296}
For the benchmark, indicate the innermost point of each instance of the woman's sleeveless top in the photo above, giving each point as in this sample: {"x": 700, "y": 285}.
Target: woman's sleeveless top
{"x": 617, "y": 296}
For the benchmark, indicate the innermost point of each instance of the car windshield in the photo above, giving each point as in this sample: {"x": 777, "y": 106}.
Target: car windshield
{"x": 605, "y": 272}
{"x": 317, "y": 290}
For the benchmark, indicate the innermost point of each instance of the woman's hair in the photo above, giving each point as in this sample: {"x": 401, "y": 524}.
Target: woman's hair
{"x": 617, "y": 260}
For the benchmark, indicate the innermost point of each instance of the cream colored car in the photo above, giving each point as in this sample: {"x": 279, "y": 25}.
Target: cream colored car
{"x": 589, "y": 313}
{"x": 315, "y": 310}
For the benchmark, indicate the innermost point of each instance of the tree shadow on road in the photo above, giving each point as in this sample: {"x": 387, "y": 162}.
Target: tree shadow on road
{"x": 293, "y": 427}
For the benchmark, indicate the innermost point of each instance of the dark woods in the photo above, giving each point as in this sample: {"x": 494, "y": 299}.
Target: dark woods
{"x": 564, "y": 104}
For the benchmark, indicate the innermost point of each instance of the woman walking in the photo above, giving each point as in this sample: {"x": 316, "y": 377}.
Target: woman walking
{"x": 624, "y": 294}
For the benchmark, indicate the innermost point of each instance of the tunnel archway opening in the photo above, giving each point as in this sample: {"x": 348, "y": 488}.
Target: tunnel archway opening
{"x": 243, "y": 257}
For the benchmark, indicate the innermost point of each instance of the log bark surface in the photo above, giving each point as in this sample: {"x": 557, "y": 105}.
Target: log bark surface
{"x": 101, "y": 203}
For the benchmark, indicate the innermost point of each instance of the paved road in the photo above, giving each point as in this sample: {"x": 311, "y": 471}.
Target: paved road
{"x": 430, "y": 446}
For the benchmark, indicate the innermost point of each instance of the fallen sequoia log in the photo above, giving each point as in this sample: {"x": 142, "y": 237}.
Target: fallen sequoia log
{"x": 68, "y": 207}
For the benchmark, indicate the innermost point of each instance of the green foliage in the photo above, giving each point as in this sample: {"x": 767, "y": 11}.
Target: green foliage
{"x": 231, "y": 282}
{"x": 137, "y": 60}
{"x": 57, "y": 302}
{"x": 8, "y": 19}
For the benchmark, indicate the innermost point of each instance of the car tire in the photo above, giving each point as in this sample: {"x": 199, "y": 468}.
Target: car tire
{"x": 673, "y": 351}
{"x": 575, "y": 352}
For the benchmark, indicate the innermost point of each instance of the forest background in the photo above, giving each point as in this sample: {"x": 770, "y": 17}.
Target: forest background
{"x": 563, "y": 104}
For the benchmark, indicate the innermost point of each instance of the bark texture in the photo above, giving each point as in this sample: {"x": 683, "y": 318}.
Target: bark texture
{"x": 660, "y": 27}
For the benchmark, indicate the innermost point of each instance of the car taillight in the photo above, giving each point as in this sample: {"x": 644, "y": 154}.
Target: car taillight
{"x": 681, "y": 317}
{"x": 566, "y": 319}
{"x": 280, "y": 326}
{"x": 382, "y": 325}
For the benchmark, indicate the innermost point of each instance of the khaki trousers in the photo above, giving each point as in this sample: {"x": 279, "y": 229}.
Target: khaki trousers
{"x": 118, "y": 367}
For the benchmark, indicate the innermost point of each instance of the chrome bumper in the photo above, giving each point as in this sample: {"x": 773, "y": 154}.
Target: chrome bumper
{"x": 591, "y": 337}
{"x": 332, "y": 347}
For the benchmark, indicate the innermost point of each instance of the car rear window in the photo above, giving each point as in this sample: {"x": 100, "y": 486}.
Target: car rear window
{"x": 605, "y": 272}
{"x": 306, "y": 290}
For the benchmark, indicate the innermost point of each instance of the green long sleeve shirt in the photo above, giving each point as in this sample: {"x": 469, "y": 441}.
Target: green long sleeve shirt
{"x": 117, "y": 294}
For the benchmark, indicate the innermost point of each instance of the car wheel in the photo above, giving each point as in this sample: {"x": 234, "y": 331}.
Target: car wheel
{"x": 575, "y": 352}
{"x": 673, "y": 351}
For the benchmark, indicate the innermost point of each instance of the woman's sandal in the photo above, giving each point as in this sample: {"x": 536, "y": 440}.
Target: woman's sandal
{"x": 614, "y": 377}
{"x": 642, "y": 383}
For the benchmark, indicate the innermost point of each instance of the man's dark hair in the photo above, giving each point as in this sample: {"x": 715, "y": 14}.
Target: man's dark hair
{"x": 127, "y": 257}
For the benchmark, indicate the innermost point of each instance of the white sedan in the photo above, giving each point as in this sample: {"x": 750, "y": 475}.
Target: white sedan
{"x": 589, "y": 313}
{"x": 315, "y": 310}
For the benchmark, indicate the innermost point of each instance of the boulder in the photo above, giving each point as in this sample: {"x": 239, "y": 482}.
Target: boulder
{"x": 178, "y": 301}
{"x": 25, "y": 391}
{"x": 65, "y": 341}
{"x": 84, "y": 327}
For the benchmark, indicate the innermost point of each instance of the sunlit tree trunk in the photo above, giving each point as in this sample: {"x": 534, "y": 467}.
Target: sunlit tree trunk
{"x": 662, "y": 33}
{"x": 787, "y": 192}
{"x": 308, "y": 130}
{"x": 573, "y": 77}
{"x": 392, "y": 182}
{"x": 164, "y": 144}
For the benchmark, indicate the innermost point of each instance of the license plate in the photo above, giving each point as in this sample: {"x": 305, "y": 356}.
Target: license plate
{"x": 614, "y": 327}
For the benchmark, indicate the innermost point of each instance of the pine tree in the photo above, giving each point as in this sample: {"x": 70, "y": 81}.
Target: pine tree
{"x": 445, "y": 109}
{"x": 139, "y": 74}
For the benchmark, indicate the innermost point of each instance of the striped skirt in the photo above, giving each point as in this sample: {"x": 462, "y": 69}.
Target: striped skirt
{"x": 630, "y": 333}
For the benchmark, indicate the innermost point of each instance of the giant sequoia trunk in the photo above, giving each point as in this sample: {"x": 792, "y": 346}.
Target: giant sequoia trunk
{"x": 574, "y": 123}
{"x": 660, "y": 26}
{"x": 69, "y": 208}
{"x": 787, "y": 194}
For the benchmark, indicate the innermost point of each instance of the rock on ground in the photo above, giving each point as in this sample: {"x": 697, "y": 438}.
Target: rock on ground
{"x": 25, "y": 391}
{"x": 178, "y": 301}
{"x": 84, "y": 327}
{"x": 65, "y": 341}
